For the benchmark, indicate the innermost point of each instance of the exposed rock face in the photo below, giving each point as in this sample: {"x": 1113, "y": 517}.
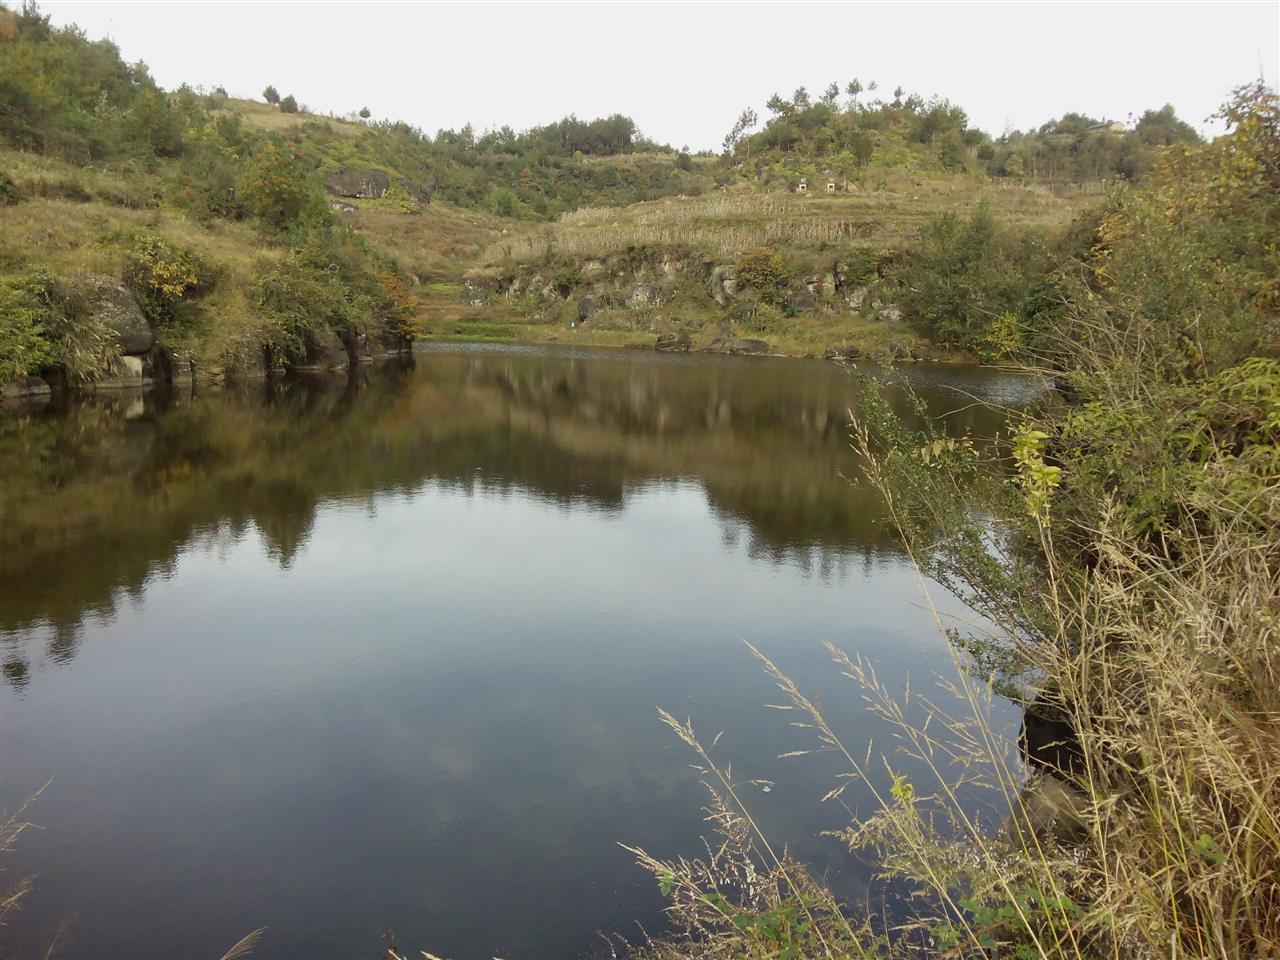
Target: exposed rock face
{"x": 890, "y": 313}
{"x": 645, "y": 295}
{"x": 731, "y": 345}
{"x": 857, "y": 297}
{"x": 587, "y": 308}
{"x": 24, "y": 388}
{"x": 251, "y": 364}
{"x": 748, "y": 346}
{"x": 674, "y": 343}
{"x": 325, "y": 351}
{"x": 363, "y": 182}
{"x": 842, "y": 352}
{"x": 112, "y": 303}
{"x": 722, "y": 285}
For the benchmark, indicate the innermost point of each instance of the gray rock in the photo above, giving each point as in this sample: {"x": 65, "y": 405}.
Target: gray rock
{"x": 112, "y": 303}
{"x": 645, "y": 295}
{"x": 127, "y": 373}
{"x": 249, "y": 364}
{"x": 857, "y": 297}
{"x": 587, "y": 308}
{"x": 846, "y": 351}
{"x": 363, "y": 182}
{"x": 673, "y": 343}
{"x": 722, "y": 286}
{"x": 341, "y": 206}
{"x": 890, "y": 313}
{"x": 25, "y": 388}
{"x": 748, "y": 346}
{"x": 325, "y": 351}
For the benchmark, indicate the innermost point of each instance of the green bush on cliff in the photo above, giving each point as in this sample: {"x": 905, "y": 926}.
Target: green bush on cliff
{"x": 164, "y": 277}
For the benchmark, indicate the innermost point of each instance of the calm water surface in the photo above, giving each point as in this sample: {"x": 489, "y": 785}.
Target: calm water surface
{"x": 334, "y": 657}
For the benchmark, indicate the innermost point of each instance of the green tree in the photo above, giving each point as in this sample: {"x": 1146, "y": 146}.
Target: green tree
{"x": 271, "y": 95}
{"x": 364, "y": 113}
{"x": 289, "y": 105}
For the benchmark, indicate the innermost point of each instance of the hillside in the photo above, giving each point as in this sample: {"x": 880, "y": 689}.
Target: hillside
{"x": 147, "y": 235}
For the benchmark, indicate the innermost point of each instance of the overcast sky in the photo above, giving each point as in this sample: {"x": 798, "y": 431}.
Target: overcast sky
{"x": 684, "y": 71}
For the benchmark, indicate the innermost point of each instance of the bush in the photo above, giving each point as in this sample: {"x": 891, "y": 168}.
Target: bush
{"x": 761, "y": 269}
{"x": 271, "y": 95}
{"x": 25, "y": 345}
{"x": 274, "y": 187}
{"x": 164, "y": 276}
{"x": 289, "y": 105}
{"x": 9, "y": 192}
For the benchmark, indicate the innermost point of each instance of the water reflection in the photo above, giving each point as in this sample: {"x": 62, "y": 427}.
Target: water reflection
{"x": 338, "y": 655}
{"x": 98, "y": 498}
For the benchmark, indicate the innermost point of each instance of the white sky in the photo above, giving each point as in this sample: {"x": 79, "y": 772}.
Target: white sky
{"x": 685, "y": 71}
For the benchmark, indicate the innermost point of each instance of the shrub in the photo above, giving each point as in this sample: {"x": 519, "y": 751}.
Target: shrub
{"x": 760, "y": 269}
{"x": 25, "y": 345}
{"x": 289, "y": 105}
{"x": 273, "y": 186}
{"x": 164, "y": 276}
{"x": 9, "y": 191}
{"x": 271, "y": 95}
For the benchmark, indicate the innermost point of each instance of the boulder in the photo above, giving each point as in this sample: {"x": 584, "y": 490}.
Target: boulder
{"x": 889, "y": 313}
{"x": 112, "y": 303}
{"x": 25, "y": 388}
{"x": 722, "y": 286}
{"x": 341, "y": 206}
{"x": 1048, "y": 809}
{"x": 857, "y": 297}
{"x": 127, "y": 373}
{"x": 748, "y": 346}
{"x": 846, "y": 351}
{"x": 363, "y": 182}
{"x": 587, "y": 308}
{"x": 673, "y": 343}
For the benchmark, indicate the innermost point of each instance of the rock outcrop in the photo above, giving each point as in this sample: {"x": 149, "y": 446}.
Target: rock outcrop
{"x": 846, "y": 351}
{"x": 325, "y": 351}
{"x": 365, "y": 183}
{"x": 646, "y": 295}
{"x": 673, "y": 343}
{"x": 25, "y": 388}
{"x": 736, "y": 346}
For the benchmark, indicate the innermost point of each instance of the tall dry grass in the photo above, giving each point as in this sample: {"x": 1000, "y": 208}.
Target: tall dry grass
{"x": 725, "y": 223}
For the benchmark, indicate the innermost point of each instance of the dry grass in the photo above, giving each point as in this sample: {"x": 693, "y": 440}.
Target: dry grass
{"x": 726, "y": 222}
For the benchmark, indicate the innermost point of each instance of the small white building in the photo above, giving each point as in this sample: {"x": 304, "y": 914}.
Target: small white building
{"x": 803, "y": 186}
